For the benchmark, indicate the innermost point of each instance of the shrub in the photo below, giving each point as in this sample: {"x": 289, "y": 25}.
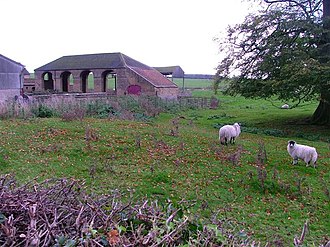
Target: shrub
{"x": 43, "y": 111}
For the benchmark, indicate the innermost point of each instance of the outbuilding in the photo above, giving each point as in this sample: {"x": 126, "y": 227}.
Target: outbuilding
{"x": 11, "y": 78}
{"x": 111, "y": 73}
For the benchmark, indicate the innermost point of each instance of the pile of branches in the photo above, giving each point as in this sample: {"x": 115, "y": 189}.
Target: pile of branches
{"x": 60, "y": 212}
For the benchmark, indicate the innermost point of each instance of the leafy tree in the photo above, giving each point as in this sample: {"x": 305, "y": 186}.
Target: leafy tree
{"x": 282, "y": 51}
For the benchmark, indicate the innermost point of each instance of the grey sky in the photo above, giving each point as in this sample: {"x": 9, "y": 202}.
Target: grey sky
{"x": 154, "y": 32}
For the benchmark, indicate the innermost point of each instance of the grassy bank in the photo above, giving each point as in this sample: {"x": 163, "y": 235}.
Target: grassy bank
{"x": 178, "y": 156}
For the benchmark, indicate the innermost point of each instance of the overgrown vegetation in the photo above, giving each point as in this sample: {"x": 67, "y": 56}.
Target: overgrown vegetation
{"x": 173, "y": 161}
{"x": 59, "y": 212}
{"x": 126, "y": 107}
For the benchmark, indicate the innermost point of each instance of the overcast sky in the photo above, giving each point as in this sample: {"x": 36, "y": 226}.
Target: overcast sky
{"x": 154, "y": 32}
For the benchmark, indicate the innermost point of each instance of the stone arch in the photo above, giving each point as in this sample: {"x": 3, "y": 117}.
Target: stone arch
{"x": 109, "y": 81}
{"x": 134, "y": 89}
{"x": 65, "y": 79}
{"x": 84, "y": 80}
{"x": 48, "y": 81}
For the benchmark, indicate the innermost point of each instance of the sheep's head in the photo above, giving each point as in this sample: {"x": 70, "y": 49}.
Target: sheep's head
{"x": 291, "y": 143}
{"x": 237, "y": 126}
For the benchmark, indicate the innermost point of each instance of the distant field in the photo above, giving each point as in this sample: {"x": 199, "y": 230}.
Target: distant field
{"x": 193, "y": 83}
{"x": 110, "y": 82}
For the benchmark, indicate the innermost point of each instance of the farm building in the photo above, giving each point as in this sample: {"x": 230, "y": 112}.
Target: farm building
{"x": 11, "y": 78}
{"x": 171, "y": 71}
{"x": 112, "y": 73}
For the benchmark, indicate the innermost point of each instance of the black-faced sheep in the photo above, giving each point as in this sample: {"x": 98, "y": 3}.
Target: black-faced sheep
{"x": 303, "y": 152}
{"x": 229, "y": 133}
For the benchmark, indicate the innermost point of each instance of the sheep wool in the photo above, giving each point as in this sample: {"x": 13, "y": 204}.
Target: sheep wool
{"x": 303, "y": 152}
{"x": 229, "y": 133}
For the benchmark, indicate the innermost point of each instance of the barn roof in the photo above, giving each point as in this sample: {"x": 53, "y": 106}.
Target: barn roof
{"x": 107, "y": 61}
{"x": 154, "y": 77}
{"x": 5, "y": 63}
{"x": 91, "y": 61}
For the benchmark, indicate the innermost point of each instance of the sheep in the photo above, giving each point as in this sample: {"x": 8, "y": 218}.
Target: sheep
{"x": 285, "y": 106}
{"x": 306, "y": 153}
{"x": 229, "y": 133}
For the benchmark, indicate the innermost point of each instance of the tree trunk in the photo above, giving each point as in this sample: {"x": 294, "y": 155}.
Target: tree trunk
{"x": 322, "y": 112}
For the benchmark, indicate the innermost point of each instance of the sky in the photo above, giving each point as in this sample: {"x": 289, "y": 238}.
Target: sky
{"x": 155, "y": 32}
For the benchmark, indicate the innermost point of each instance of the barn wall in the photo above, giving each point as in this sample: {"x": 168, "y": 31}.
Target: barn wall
{"x": 167, "y": 93}
{"x": 127, "y": 77}
{"x": 10, "y": 74}
{"x": 10, "y": 80}
{"x": 29, "y": 85}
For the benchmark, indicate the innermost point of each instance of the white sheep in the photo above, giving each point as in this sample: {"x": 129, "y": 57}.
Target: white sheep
{"x": 228, "y": 133}
{"x": 306, "y": 153}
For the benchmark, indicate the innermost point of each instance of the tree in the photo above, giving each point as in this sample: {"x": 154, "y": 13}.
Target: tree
{"x": 283, "y": 51}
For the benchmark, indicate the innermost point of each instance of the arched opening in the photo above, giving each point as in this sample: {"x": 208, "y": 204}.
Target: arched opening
{"x": 48, "y": 82}
{"x": 134, "y": 89}
{"x": 87, "y": 80}
{"x": 66, "y": 77}
{"x": 71, "y": 80}
{"x": 109, "y": 81}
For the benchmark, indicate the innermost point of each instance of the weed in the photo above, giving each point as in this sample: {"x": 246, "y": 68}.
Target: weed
{"x": 90, "y": 136}
{"x": 43, "y": 111}
{"x": 236, "y": 156}
{"x": 325, "y": 189}
{"x": 214, "y": 104}
{"x": 175, "y": 130}
{"x": 138, "y": 141}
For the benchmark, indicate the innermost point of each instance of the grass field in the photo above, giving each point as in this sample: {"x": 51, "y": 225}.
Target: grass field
{"x": 187, "y": 83}
{"x": 269, "y": 200}
{"x": 193, "y": 83}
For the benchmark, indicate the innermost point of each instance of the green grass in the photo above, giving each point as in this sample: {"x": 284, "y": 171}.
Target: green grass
{"x": 110, "y": 82}
{"x": 190, "y": 165}
{"x": 193, "y": 83}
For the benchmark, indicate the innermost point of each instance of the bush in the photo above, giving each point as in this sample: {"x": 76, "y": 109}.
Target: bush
{"x": 43, "y": 111}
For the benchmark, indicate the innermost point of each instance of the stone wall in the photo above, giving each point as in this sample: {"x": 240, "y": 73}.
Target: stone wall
{"x": 167, "y": 93}
{"x": 127, "y": 77}
{"x": 8, "y": 94}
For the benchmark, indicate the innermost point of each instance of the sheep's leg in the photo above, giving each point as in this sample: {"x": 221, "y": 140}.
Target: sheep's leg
{"x": 308, "y": 161}
{"x": 222, "y": 140}
{"x": 295, "y": 161}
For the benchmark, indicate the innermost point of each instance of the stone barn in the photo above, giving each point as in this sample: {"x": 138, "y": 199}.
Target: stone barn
{"x": 11, "y": 78}
{"x": 111, "y": 73}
